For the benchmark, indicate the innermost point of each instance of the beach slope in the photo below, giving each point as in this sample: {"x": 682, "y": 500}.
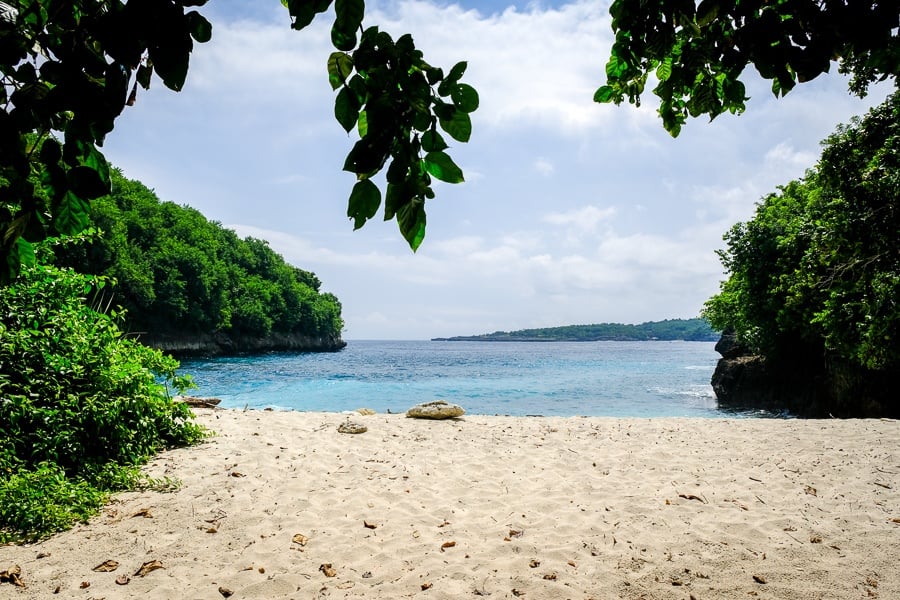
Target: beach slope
{"x": 281, "y": 505}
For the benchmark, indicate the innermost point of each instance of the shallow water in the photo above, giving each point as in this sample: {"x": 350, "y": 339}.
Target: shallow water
{"x": 616, "y": 379}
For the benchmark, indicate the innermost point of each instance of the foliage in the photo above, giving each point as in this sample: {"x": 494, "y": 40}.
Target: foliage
{"x": 178, "y": 273}
{"x": 818, "y": 267}
{"x": 69, "y": 68}
{"x": 670, "y": 329}
{"x": 395, "y": 101}
{"x": 80, "y": 405}
{"x": 698, "y": 51}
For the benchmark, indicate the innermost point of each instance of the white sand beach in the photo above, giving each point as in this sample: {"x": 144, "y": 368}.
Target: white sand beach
{"x": 281, "y": 505}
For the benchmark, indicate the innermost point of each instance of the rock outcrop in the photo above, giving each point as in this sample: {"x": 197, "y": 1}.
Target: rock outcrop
{"x": 805, "y": 383}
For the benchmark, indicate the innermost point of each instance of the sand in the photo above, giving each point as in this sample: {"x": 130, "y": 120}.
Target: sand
{"x": 281, "y": 505}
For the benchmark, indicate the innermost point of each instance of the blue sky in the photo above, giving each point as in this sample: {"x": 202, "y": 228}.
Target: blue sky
{"x": 572, "y": 212}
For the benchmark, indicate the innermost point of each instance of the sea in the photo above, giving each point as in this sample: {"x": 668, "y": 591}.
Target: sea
{"x": 608, "y": 379}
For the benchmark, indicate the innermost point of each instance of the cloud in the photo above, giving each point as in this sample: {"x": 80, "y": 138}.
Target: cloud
{"x": 585, "y": 219}
{"x": 544, "y": 167}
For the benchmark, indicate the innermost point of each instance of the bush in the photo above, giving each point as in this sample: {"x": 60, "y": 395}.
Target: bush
{"x": 80, "y": 405}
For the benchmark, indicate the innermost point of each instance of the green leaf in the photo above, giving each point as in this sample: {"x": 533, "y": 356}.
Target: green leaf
{"x": 72, "y": 216}
{"x": 604, "y": 94}
{"x": 346, "y": 109}
{"x": 86, "y": 182}
{"x": 434, "y": 74}
{"x": 411, "y": 219}
{"x": 364, "y": 202}
{"x": 171, "y": 63}
{"x": 24, "y": 251}
{"x": 457, "y": 72}
{"x": 664, "y": 71}
{"x": 350, "y": 14}
{"x": 349, "y": 19}
{"x": 396, "y": 196}
{"x": 200, "y": 28}
{"x": 464, "y": 97}
{"x": 342, "y": 39}
{"x": 340, "y": 65}
{"x": 616, "y": 67}
{"x": 304, "y": 11}
{"x": 459, "y": 126}
{"x": 362, "y": 124}
{"x": 707, "y": 12}
{"x": 442, "y": 166}
{"x": 433, "y": 141}
{"x": 446, "y": 87}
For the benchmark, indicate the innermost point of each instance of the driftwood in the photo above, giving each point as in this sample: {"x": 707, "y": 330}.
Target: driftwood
{"x": 199, "y": 402}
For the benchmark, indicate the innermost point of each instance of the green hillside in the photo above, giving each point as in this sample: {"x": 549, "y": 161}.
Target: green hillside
{"x": 693, "y": 330}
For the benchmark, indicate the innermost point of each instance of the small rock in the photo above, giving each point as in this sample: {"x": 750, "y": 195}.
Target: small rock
{"x": 439, "y": 409}
{"x": 351, "y": 427}
{"x": 226, "y": 593}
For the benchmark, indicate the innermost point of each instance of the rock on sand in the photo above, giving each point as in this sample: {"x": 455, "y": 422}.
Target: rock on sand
{"x": 438, "y": 409}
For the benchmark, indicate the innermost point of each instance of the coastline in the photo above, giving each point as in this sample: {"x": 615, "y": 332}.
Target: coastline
{"x": 549, "y": 507}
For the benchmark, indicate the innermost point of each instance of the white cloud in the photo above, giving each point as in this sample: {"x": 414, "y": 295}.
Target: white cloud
{"x": 544, "y": 167}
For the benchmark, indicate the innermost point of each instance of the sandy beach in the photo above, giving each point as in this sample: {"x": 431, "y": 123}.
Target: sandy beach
{"x": 282, "y": 505}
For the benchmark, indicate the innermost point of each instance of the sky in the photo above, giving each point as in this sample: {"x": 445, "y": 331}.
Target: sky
{"x": 572, "y": 212}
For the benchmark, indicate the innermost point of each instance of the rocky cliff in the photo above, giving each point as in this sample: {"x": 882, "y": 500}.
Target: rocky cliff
{"x": 807, "y": 384}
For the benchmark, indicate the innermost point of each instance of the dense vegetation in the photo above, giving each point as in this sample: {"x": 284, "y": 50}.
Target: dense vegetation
{"x": 670, "y": 329}
{"x": 814, "y": 284}
{"x": 81, "y": 406}
{"x": 179, "y": 274}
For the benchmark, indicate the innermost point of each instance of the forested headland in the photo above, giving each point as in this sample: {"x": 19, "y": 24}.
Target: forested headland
{"x": 812, "y": 302}
{"x": 189, "y": 285}
{"x": 692, "y": 330}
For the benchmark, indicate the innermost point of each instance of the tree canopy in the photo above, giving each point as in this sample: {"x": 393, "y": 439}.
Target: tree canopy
{"x": 697, "y": 52}
{"x": 180, "y": 275}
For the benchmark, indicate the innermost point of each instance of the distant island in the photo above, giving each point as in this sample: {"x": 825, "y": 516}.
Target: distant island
{"x": 690, "y": 330}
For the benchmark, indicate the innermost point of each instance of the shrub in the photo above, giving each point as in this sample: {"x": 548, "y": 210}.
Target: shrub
{"x": 80, "y": 405}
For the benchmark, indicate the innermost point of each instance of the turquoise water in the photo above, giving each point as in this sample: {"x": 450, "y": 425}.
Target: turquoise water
{"x": 616, "y": 379}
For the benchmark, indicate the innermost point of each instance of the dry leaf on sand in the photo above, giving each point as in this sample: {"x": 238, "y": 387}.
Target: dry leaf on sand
{"x": 107, "y": 566}
{"x": 150, "y": 565}
{"x": 300, "y": 539}
{"x": 327, "y": 570}
{"x": 446, "y": 545}
{"x": 12, "y": 575}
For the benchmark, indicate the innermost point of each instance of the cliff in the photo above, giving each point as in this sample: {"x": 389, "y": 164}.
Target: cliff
{"x": 218, "y": 344}
{"x": 804, "y": 384}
